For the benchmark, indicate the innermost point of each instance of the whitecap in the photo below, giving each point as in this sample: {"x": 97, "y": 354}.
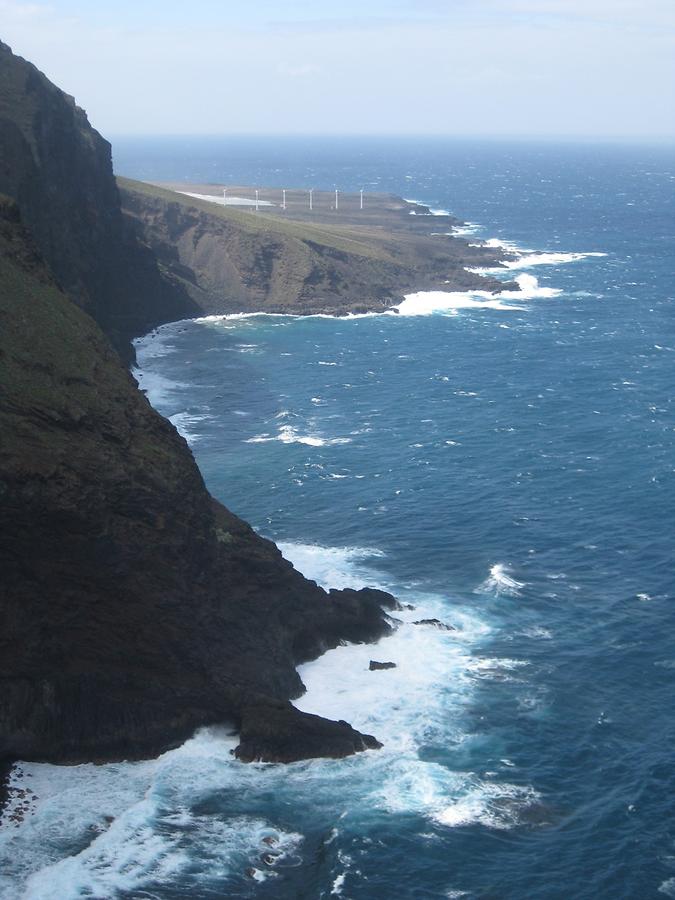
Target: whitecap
{"x": 466, "y": 229}
{"x": 338, "y": 884}
{"x": 499, "y": 243}
{"x": 289, "y": 435}
{"x": 528, "y": 259}
{"x": 425, "y": 303}
{"x": 495, "y": 805}
{"x": 500, "y": 582}
{"x": 493, "y": 669}
{"x": 537, "y": 632}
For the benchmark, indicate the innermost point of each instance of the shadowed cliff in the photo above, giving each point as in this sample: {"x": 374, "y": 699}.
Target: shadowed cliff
{"x": 58, "y": 169}
{"x": 133, "y": 606}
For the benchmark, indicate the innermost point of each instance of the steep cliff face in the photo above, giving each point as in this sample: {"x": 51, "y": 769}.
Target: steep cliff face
{"x": 58, "y": 169}
{"x": 133, "y": 606}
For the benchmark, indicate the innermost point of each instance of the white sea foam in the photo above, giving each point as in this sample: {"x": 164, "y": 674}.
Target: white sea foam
{"x": 499, "y": 243}
{"x": 500, "y": 582}
{"x": 494, "y": 669}
{"x": 337, "y": 567}
{"x": 425, "y": 303}
{"x": 432, "y": 211}
{"x": 159, "y": 390}
{"x": 466, "y": 229}
{"x": 185, "y": 422}
{"x": 338, "y": 884}
{"x": 157, "y": 834}
{"x": 287, "y": 434}
{"x": 496, "y": 805}
{"x": 153, "y": 345}
{"x": 410, "y": 706}
{"x": 528, "y": 259}
{"x": 136, "y": 826}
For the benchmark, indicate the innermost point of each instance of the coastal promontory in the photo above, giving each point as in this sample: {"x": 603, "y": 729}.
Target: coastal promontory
{"x": 134, "y": 607}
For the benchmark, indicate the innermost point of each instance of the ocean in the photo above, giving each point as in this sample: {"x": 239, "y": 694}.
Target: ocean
{"x": 506, "y": 465}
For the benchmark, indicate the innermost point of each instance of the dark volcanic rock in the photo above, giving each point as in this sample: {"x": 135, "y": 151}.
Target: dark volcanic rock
{"x": 281, "y": 733}
{"x": 133, "y": 606}
{"x": 58, "y": 169}
{"x": 436, "y": 623}
{"x": 375, "y": 666}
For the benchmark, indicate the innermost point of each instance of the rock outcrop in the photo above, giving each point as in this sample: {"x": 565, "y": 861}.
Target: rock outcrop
{"x": 133, "y": 606}
{"x": 59, "y": 171}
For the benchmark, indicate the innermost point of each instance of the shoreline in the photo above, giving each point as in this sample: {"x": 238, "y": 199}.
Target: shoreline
{"x": 6, "y": 767}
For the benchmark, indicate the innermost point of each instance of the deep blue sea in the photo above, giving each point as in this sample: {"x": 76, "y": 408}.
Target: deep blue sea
{"x": 505, "y": 464}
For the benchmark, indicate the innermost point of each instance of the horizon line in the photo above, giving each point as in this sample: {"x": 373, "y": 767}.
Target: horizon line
{"x": 585, "y": 138}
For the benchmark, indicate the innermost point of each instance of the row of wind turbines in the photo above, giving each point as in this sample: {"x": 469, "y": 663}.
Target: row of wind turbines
{"x": 310, "y": 194}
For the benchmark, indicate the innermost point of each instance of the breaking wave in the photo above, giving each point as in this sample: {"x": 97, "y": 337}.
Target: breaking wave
{"x": 425, "y": 303}
{"x": 500, "y": 582}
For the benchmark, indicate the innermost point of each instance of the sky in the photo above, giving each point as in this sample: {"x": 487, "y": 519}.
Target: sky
{"x": 544, "y": 68}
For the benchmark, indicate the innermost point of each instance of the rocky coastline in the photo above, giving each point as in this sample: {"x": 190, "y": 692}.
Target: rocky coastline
{"x": 229, "y": 259}
{"x": 134, "y": 607}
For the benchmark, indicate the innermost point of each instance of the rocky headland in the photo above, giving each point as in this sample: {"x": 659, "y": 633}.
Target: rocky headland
{"x": 134, "y": 607}
{"x": 233, "y": 259}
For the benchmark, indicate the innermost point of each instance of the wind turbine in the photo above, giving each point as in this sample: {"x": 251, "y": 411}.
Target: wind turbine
{"x": 283, "y": 202}
{"x": 337, "y": 204}
{"x": 361, "y": 192}
{"x": 311, "y": 191}
{"x": 257, "y": 199}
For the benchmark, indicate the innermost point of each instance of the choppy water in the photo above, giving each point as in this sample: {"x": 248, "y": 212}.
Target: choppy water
{"x": 507, "y": 466}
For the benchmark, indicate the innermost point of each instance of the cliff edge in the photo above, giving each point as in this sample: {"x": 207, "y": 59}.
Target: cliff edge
{"x": 133, "y": 606}
{"x": 58, "y": 170}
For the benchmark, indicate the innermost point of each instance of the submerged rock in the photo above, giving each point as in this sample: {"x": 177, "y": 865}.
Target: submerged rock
{"x": 374, "y": 665}
{"x": 436, "y": 623}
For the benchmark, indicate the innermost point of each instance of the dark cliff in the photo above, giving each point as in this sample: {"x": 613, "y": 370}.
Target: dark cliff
{"x": 58, "y": 169}
{"x": 133, "y": 606}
